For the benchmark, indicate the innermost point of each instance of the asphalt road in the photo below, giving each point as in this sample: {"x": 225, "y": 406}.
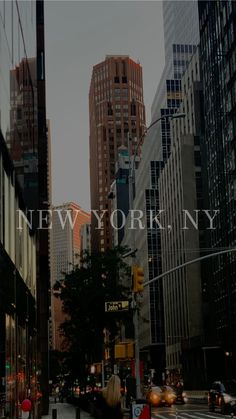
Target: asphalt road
{"x": 186, "y": 412}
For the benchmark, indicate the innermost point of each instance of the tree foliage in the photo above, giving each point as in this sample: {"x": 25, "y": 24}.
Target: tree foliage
{"x": 83, "y": 292}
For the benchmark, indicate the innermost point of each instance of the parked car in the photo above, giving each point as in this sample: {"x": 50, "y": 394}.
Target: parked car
{"x": 155, "y": 396}
{"x": 169, "y": 395}
{"x": 222, "y": 395}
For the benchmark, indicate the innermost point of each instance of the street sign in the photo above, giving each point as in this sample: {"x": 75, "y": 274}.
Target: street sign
{"x": 141, "y": 410}
{"x": 114, "y": 306}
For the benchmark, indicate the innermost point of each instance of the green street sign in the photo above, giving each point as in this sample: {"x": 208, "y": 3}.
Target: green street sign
{"x": 114, "y": 306}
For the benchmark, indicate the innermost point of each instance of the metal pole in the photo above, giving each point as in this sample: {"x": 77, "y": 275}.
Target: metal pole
{"x": 137, "y": 359}
{"x": 103, "y": 377}
{"x": 134, "y": 302}
{"x": 205, "y": 365}
{"x": 77, "y": 413}
{"x": 54, "y": 413}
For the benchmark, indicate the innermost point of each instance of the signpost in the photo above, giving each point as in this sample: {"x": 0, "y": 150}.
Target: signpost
{"x": 115, "y": 306}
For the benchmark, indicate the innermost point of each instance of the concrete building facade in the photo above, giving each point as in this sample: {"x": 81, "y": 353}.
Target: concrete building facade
{"x": 180, "y": 189}
{"x": 179, "y": 47}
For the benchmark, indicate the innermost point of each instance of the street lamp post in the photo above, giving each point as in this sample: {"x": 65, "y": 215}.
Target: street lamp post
{"x": 133, "y": 253}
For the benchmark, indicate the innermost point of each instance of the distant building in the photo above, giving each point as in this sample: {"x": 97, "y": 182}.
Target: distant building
{"x": 116, "y": 108}
{"x": 119, "y": 193}
{"x": 65, "y": 255}
{"x": 85, "y": 238}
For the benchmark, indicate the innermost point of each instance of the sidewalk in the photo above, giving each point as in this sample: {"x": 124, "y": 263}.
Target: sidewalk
{"x": 65, "y": 411}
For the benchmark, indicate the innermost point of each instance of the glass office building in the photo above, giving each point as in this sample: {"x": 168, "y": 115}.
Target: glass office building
{"x": 218, "y": 56}
{"x": 22, "y": 185}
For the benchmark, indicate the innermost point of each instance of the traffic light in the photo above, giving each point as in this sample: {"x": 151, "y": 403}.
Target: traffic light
{"x": 138, "y": 279}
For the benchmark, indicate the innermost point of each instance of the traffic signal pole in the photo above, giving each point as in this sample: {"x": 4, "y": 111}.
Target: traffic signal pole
{"x": 137, "y": 359}
{"x": 134, "y": 295}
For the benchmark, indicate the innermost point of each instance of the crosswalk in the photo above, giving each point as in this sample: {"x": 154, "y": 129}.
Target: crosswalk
{"x": 187, "y": 414}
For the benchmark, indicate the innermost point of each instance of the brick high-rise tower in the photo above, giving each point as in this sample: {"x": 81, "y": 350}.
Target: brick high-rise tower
{"x": 116, "y": 108}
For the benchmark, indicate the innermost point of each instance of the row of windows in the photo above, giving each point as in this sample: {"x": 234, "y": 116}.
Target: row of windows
{"x": 14, "y": 232}
{"x": 190, "y": 49}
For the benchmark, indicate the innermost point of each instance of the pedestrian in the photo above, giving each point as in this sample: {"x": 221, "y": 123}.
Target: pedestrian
{"x": 108, "y": 405}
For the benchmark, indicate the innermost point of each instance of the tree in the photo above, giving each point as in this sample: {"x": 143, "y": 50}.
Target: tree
{"x": 83, "y": 292}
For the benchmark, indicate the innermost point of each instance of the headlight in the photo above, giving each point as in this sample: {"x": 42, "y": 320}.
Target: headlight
{"x": 227, "y": 398}
{"x": 154, "y": 397}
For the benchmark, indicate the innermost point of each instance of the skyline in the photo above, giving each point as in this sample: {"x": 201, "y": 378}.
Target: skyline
{"x": 80, "y": 54}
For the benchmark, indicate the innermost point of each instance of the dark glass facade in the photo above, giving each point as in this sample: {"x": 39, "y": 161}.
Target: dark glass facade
{"x": 23, "y": 183}
{"x": 218, "y": 56}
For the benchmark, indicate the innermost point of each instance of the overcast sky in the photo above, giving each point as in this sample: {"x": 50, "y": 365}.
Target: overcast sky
{"x": 79, "y": 34}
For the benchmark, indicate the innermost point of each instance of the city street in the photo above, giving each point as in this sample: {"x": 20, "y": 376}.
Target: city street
{"x": 185, "y": 412}
{"x": 65, "y": 411}
{"x": 117, "y": 209}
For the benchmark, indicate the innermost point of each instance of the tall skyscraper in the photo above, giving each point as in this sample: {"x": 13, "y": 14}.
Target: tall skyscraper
{"x": 67, "y": 221}
{"x": 180, "y": 44}
{"x": 181, "y": 188}
{"x": 116, "y": 108}
{"x": 180, "y": 24}
{"x": 218, "y": 52}
{"x": 24, "y": 253}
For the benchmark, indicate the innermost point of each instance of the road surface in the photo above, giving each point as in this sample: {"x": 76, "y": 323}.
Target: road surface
{"x": 186, "y": 412}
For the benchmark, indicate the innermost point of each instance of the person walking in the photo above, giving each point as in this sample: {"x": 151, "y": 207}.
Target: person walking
{"x": 108, "y": 405}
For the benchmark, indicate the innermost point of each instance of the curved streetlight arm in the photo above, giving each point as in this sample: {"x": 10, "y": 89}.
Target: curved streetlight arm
{"x": 171, "y": 116}
{"x": 140, "y": 141}
{"x": 190, "y": 262}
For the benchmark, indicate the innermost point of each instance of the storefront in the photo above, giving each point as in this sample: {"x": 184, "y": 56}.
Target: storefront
{"x": 18, "y": 371}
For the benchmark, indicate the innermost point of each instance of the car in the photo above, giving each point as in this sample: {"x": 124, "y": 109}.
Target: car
{"x": 222, "y": 395}
{"x": 181, "y": 396}
{"x": 155, "y": 396}
{"x": 169, "y": 395}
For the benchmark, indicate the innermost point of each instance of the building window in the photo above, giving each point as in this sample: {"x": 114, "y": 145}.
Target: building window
{"x": 133, "y": 108}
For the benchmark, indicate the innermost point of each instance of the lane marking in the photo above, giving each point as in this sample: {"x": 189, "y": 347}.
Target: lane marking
{"x": 204, "y": 415}
{"x": 211, "y": 415}
{"x": 161, "y": 417}
{"x": 190, "y": 415}
{"x": 184, "y": 414}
